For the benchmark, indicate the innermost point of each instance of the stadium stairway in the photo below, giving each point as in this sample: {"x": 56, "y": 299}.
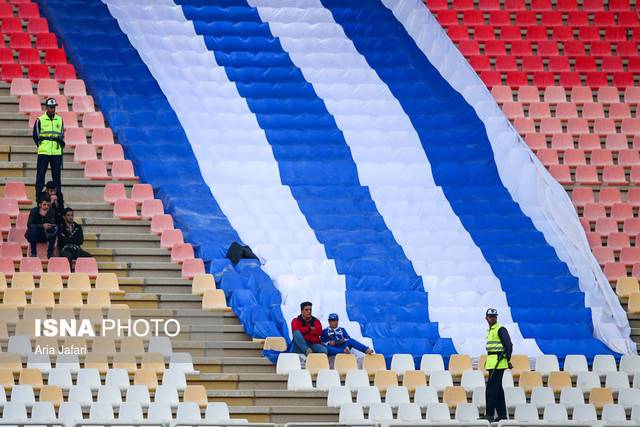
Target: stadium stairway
{"x": 230, "y": 363}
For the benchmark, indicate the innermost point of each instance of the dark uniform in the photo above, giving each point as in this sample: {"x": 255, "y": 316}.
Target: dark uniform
{"x": 499, "y": 349}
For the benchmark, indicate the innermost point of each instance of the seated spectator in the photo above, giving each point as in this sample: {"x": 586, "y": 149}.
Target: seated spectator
{"x": 57, "y": 201}
{"x": 70, "y": 238}
{"x": 306, "y": 332}
{"x": 41, "y": 226}
{"x": 337, "y": 340}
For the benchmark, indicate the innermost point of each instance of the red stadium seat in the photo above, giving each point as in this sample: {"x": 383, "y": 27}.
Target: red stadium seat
{"x": 566, "y": 110}
{"x": 11, "y": 250}
{"x": 102, "y": 136}
{"x": 84, "y": 152}
{"x": 608, "y": 95}
{"x": 619, "y": 5}
{"x": 19, "y": 41}
{"x": 559, "y": 64}
{"x": 141, "y": 192}
{"x": 550, "y": 125}
{"x": 581, "y": 196}
{"x": 191, "y": 267}
{"x": 499, "y": 18}
{"x": 581, "y": 95}
{"x": 123, "y": 170}
{"x": 555, "y": 94}
{"x": 613, "y": 175}
{"x": 46, "y": 41}
{"x": 484, "y": 33}
{"x": 17, "y": 235}
{"x": 603, "y": 255}
{"x": 585, "y": 64}
{"x": 181, "y": 253}
{"x": 75, "y": 136}
{"x": 491, "y": 78}
{"x": 74, "y": 88}
{"x": 11, "y": 25}
{"x": 514, "y": 5}
{"x": 614, "y": 270}
{"x": 125, "y": 209}
{"x": 112, "y": 153}
{"x": 83, "y": 104}
{"x": 437, "y": 5}
{"x": 633, "y": 196}
{"x": 492, "y": 5}
{"x": 16, "y": 191}
{"x": 447, "y": 18}
{"x": 600, "y": 48}
{"x": 589, "y": 141}
{"x": 506, "y": 63}
{"x": 29, "y": 103}
{"x": 526, "y": 17}
{"x": 541, "y": 5}
{"x": 469, "y": 47}
{"x": 69, "y": 118}
{"x": 622, "y": 79}
{"x": 536, "y": 34}
{"x": 502, "y": 93}
{"x": 628, "y": 19}
{"x": 604, "y": 126}
{"x": 88, "y": 266}
{"x": 612, "y": 64}
{"x": 151, "y": 208}
{"x": 592, "y": 111}
{"x": 6, "y": 56}
{"x": 539, "y": 110}
{"x": 587, "y": 175}
{"x": 626, "y": 48}
{"x": 113, "y": 192}
{"x": 55, "y": 57}
{"x": 561, "y": 173}
{"x": 93, "y": 120}
{"x": 532, "y": 64}
{"x": 601, "y": 158}
{"x": 521, "y": 48}
{"x": 59, "y": 265}
{"x": 574, "y": 157}
{"x": 551, "y": 19}
{"x": 548, "y": 48}
{"x": 463, "y": 4}
{"x": 5, "y": 224}
{"x": 597, "y": 79}
{"x": 97, "y": 170}
{"x": 480, "y": 63}
{"x": 629, "y": 158}
{"x": 9, "y": 207}
{"x": 65, "y": 72}
{"x": 573, "y": 48}
{"x": 562, "y": 34}
{"x": 472, "y": 17}
{"x": 31, "y": 265}
{"x": 609, "y": 196}
{"x": 160, "y": 223}
{"x": 615, "y": 34}
{"x": 630, "y": 256}
{"x": 543, "y": 79}
{"x": 524, "y": 126}
{"x": 619, "y": 111}
{"x": 562, "y": 141}
{"x": 517, "y": 78}
{"x": 510, "y": 33}
{"x": 48, "y": 87}
{"x": 547, "y": 156}
{"x": 6, "y": 11}
{"x": 170, "y": 238}
{"x": 536, "y": 141}
{"x": 621, "y": 211}
{"x": 458, "y": 33}
{"x": 630, "y": 126}
{"x": 494, "y": 48}
{"x": 635, "y": 175}
{"x": 38, "y": 71}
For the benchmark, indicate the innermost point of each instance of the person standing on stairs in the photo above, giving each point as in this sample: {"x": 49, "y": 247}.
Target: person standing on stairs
{"x": 499, "y": 349}
{"x": 48, "y": 135}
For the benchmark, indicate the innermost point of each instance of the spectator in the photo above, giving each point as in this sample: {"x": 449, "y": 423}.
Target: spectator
{"x": 57, "y": 201}
{"x": 306, "y": 332}
{"x": 41, "y": 226}
{"x": 48, "y": 134}
{"x": 337, "y": 340}
{"x": 70, "y": 238}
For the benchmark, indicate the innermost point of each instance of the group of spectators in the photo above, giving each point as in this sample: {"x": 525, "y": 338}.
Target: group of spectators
{"x": 50, "y": 220}
{"x": 309, "y": 337}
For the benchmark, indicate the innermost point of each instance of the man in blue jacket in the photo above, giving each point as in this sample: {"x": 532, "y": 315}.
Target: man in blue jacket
{"x": 337, "y": 340}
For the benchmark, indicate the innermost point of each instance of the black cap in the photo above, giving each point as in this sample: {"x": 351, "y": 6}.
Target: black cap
{"x": 51, "y": 102}
{"x": 492, "y": 312}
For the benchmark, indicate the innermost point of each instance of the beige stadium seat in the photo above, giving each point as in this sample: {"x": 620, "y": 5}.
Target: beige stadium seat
{"x": 125, "y": 361}
{"x": 14, "y": 298}
{"x": 132, "y": 345}
{"x": 42, "y": 298}
{"x": 385, "y": 379}
{"x": 104, "y": 345}
{"x": 46, "y": 342}
{"x": 202, "y": 283}
{"x": 482, "y": 360}
{"x": 93, "y": 314}
{"x": 11, "y": 361}
{"x": 23, "y": 281}
{"x": 96, "y": 361}
{"x": 529, "y": 380}
{"x": 458, "y": 363}
{"x": 26, "y": 327}
{"x": 51, "y": 393}
{"x": 414, "y": 379}
{"x": 4, "y": 332}
{"x": 97, "y": 298}
{"x": 63, "y": 313}
{"x": 600, "y": 397}
{"x": 317, "y": 362}
{"x": 108, "y": 282}
{"x": 559, "y": 380}
{"x": 9, "y": 315}
{"x": 153, "y": 362}
{"x": 120, "y": 312}
{"x": 275, "y": 343}
{"x": 344, "y": 362}
{"x": 197, "y": 394}
{"x": 51, "y": 281}
{"x": 3, "y": 282}
{"x": 70, "y": 298}
{"x": 625, "y": 286}
{"x": 79, "y": 282}
{"x": 77, "y": 342}
{"x": 634, "y": 303}
{"x": 147, "y": 378}
{"x": 373, "y": 363}
{"x": 520, "y": 363}
{"x": 215, "y": 300}
{"x": 6, "y": 377}
{"x": 32, "y": 312}
{"x": 453, "y": 395}
{"x": 32, "y": 377}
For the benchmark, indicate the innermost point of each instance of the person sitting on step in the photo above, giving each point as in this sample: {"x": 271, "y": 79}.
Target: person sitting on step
{"x": 306, "y": 331}
{"x": 41, "y": 226}
{"x": 337, "y": 340}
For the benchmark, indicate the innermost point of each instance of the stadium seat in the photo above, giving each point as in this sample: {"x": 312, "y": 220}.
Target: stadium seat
{"x": 125, "y": 209}
{"x": 84, "y": 152}
{"x": 123, "y": 170}
{"x": 151, "y": 208}
{"x": 113, "y": 192}
{"x": 170, "y": 238}
{"x": 96, "y": 169}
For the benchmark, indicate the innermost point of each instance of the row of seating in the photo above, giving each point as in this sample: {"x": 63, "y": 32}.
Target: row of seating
{"x": 555, "y": 414}
{"x": 588, "y": 175}
{"x": 561, "y": 25}
{"x": 566, "y": 110}
{"x": 103, "y": 362}
{"x": 53, "y": 280}
{"x": 70, "y": 413}
{"x": 579, "y": 95}
{"x": 608, "y": 196}
{"x": 458, "y": 364}
{"x": 37, "y": 72}
{"x": 79, "y": 104}
{"x": 90, "y": 120}
{"x": 441, "y": 380}
{"x": 547, "y": 50}
{"x": 545, "y": 79}
{"x": 70, "y": 298}
{"x": 454, "y": 396}
{"x": 11, "y": 253}
{"x": 41, "y": 41}
{"x": 581, "y": 157}
{"x": 534, "y": 5}
{"x": 28, "y": 55}
{"x": 48, "y": 87}
{"x": 577, "y": 126}
{"x": 615, "y": 241}
{"x": 24, "y": 10}
{"x": 34, "y": 25}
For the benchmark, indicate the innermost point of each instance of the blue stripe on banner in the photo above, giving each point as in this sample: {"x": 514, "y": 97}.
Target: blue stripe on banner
{"x": 544, "y": 297}
{"x": 151, "y": 134}
{"x": 315, "y": 161}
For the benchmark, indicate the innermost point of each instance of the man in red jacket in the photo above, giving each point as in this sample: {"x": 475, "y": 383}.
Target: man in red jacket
{"x": 306, "y": 332}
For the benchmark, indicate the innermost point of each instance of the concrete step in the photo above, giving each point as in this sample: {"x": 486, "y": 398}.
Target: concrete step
{"x": 188, "y": 317}
{"x": 17, "y": 150}
{"x": 235, "y": 398}
{"x": 75, "y": 189}
{"x": 108, "y": 223}
{"x": 28, "y": 168}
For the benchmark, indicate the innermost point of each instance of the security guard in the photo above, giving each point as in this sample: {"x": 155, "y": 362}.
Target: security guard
{"x": 48, "y": 134}
{"x": 499, "y": 350}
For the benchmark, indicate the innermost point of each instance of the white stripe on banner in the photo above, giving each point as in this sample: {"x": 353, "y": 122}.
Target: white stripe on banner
{"x": 390, "y": 160}
{"x": 540, "y": 197}
{"x": 234, "y": 156}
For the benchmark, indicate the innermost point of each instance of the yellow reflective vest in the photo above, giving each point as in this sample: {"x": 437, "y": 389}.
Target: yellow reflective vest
{"x": 494, "y": 348}
{"x": 50, "y": 135}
